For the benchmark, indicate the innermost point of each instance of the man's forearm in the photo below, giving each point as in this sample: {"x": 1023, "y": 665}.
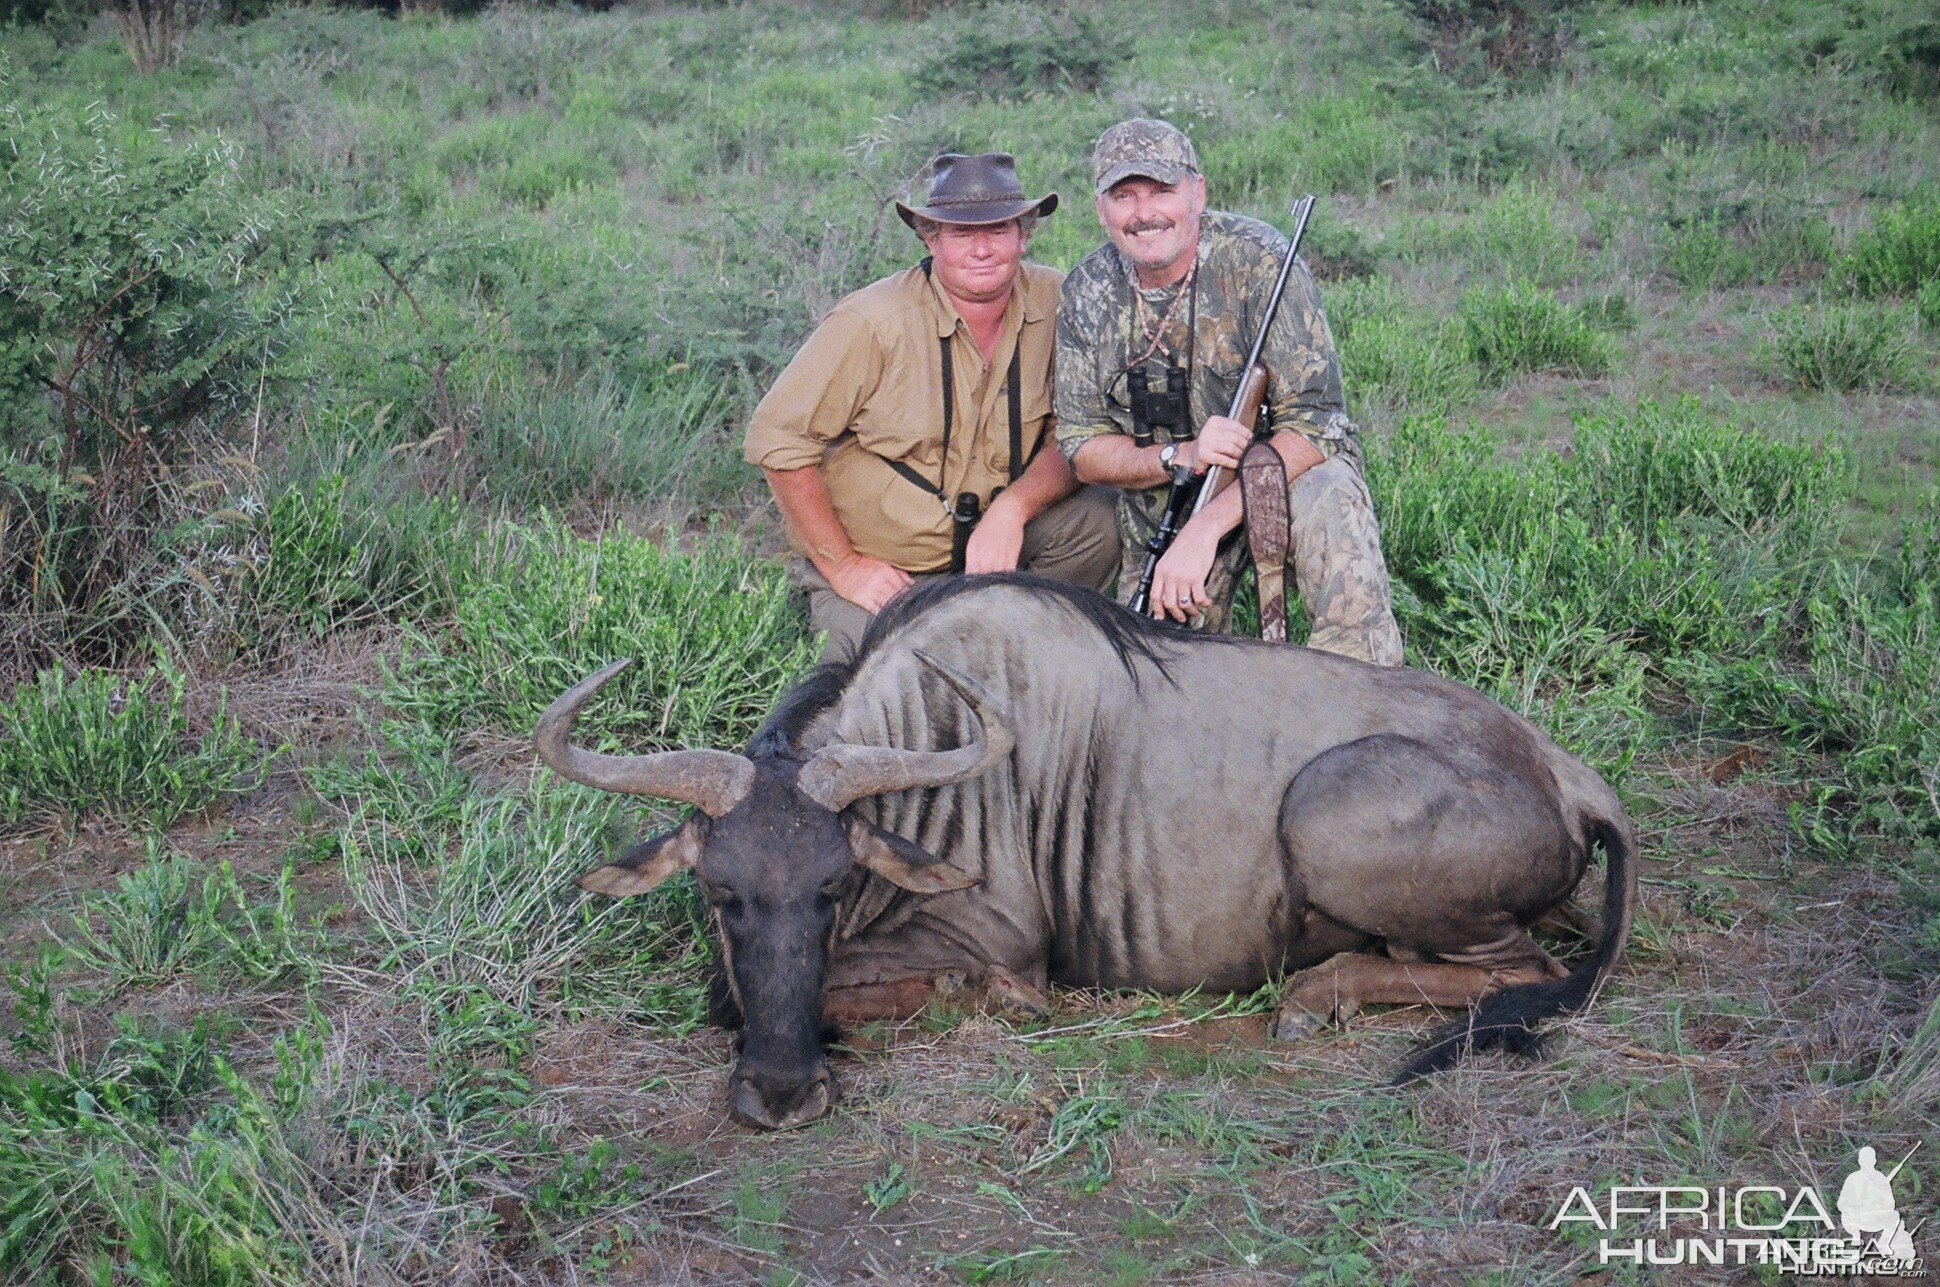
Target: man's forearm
{"x": 1114, "y": 460}
{"x": 1225, "y": 510}
{"x": 1045, "y": 481}
{"x": 806, "y": 510}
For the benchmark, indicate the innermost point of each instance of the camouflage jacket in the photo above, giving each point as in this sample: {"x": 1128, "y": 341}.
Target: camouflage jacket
{"x": 1101, "y": 328}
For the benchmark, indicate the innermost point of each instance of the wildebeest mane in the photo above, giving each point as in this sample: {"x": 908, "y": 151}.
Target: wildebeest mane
{"x": 1129, "y": 634}
{"x": 779, "y": 734}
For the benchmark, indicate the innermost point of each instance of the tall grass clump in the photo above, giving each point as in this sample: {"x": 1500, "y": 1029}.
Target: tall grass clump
{"x": 1015, "y": 51}
{"x": 171, "y": 917}
{"x": 593, "y": 438}
{"x": 1391, "y": 355}
{"x": 1556, "y": 583}
{"x": 1520, "y": 328}
{"x": 713, "y": 631}
{"x": 156, "y": 1163}
{"x": 1854, "y": 673}
{"x": 500, "y": 917}
{"x": 99, "y": 744}
{"x": 1842, "y": 348}
{"x": 337, "y": 554}
{"x": 1899, "y": 254}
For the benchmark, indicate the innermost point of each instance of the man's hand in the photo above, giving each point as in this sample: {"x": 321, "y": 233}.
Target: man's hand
{"x": 996, "y": 541}
{"x": 868, "y": 583}
{"x": 1179, "y": 582}
{"x": 1221, "y": 442}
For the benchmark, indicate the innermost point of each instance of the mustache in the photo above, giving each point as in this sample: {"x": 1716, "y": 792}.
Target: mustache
{"x": 1148, "y": 225}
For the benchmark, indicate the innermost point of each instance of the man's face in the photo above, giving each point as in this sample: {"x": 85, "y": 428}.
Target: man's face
{"x": 977, "y": 262}
{"x": 1155, "y": 224}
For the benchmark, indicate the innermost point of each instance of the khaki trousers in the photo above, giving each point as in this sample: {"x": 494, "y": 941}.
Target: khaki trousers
{"x": 1075, "y": 541}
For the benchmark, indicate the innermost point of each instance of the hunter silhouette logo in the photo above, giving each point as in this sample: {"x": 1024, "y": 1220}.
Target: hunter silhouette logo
{"x": 1788, "y": 1230}
{"x": 1867, "y": 1213}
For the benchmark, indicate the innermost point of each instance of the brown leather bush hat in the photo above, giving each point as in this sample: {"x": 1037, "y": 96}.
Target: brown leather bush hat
{"x": 976, "y": 189}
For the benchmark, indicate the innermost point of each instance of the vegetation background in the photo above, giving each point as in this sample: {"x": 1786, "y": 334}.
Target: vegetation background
{"x": 367, "y": 376}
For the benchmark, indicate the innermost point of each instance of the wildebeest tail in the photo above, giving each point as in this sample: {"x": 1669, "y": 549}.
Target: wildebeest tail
{"x": 1508, "y": 1020}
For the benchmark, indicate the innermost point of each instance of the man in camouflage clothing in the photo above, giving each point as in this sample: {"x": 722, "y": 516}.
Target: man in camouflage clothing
{"x": 1182, "y": 288}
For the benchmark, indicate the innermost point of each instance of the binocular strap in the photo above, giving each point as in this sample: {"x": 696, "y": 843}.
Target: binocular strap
{"x": 1269, "y": 532}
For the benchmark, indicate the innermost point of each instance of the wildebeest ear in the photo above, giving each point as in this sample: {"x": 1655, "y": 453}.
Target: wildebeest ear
{"x": 901, "y": 863}
{"x": 646, "y": 865}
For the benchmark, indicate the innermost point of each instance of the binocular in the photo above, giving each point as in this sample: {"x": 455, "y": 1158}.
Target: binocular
{"x": 1158, "y": 408}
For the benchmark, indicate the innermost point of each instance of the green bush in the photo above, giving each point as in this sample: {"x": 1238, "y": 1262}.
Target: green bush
{"x": 1842, "y": 347}
{"x": 714, "y": 632}
{"x": 136, "y": 310}
{"x": 1015, "y": 51}
{"x": 1522, "y": 328}
{"x": 100, "y": 744}
{"x": 1899, "y": 254}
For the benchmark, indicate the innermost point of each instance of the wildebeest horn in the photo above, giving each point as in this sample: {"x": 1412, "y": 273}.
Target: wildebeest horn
{"x": 711, "y": 781}
{"x": 837, "y": 776}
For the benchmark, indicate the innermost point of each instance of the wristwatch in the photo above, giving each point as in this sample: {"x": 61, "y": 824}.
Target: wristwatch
{"x": 1166, "y": 455}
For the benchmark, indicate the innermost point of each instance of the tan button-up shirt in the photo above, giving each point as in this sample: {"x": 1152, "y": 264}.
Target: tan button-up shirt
{"x": 867, "y": 388}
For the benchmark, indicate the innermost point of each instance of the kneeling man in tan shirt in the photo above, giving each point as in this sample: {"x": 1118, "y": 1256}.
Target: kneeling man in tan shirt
{"x": 922, "y": 404}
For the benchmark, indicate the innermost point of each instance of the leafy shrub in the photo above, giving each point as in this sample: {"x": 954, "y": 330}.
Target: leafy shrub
{"x": 1842, "y": 347}
{"x": 1520, "y": 328}
{"x": 100, "y": 744}
{"x": 1016, "y": 51}
{"x": 1899, "y": 254}
{"x": 135, "y": 307}
{"x": 714, "y": 631}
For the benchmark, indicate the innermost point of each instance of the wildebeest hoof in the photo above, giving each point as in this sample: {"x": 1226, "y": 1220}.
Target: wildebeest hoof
{"x": 950, "y": 983}
{"x": 1293, "y": 1023}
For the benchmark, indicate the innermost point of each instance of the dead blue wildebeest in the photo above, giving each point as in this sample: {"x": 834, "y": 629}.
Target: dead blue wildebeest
{"x": 1017, "y": 783}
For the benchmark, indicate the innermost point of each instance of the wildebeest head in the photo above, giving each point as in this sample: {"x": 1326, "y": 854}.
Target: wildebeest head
{"x": 775, "y": 848}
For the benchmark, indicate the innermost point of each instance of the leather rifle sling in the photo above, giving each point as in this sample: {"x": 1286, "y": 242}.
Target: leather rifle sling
{"x": 1269, "y": 532}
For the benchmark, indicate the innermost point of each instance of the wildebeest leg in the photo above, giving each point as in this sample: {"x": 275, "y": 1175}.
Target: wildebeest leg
{"x": 994, "y": 989}
{"x": 1337, "y": 989}
{"x": 1440, "y": 854}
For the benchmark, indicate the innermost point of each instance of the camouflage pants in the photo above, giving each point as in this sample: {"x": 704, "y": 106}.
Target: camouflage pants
{"x": 1335, "y": 561}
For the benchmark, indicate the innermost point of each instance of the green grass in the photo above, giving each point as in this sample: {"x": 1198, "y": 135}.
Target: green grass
{"x": 523, "y": 276}
{"x": 101, "y": 745}
{"x": 1521, "y": 328}
{"x": 1844, "y": 348}
{"x": 713, "y": 631}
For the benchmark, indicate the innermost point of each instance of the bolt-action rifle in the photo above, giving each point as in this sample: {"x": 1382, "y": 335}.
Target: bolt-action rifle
{"x": 1189, "y": 492}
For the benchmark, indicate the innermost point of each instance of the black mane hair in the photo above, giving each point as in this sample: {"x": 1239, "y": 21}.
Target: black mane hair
{"x": 1130, "y": 636}
{"x": 778, "y": 734}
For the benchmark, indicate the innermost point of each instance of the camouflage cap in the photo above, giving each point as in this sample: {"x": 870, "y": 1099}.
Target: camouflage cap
{"x": 1144, "y": 148}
